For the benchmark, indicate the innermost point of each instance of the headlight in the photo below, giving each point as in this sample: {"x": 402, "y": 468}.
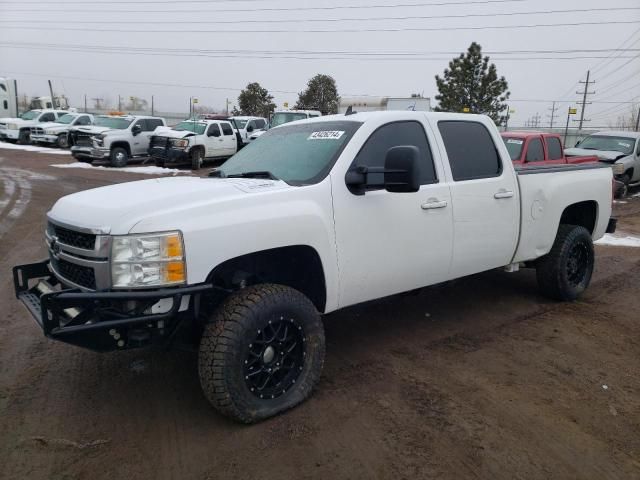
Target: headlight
{"x": 12, "y": 126}
{"x": 180, "y": 143}
{"x": 147, "y": 260}
{"x": 618, "y": 168}
{"x": 50, "y": 132}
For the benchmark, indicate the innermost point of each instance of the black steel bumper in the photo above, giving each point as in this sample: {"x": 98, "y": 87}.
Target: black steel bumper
{"x": 169, "y": 155}
{"x": 100, "y": 321}
{"x": 611, "y": 226}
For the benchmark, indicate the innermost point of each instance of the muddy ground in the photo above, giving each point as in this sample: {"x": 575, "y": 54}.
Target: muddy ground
{"x": 481, "y": 378}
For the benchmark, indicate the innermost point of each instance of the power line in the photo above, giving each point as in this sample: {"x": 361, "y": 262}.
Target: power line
{"x": 344, "y": 30}
{"x": 323, "y": 20}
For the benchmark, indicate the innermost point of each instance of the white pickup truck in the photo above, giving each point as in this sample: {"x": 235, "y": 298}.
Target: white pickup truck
{"x": 316, "y": 216}
{"x": 193, "y": 141}
{"x": 57, "y": 133}
{"x": 19, "y": 129}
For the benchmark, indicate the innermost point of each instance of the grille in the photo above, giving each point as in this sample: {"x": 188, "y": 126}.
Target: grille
{"x": 37, "y": 131}
{"x": 78, "y": 274}
{"x": 162, "y": 142}
{"x": 73, "y": 238}
{"x": 83, "y": 140}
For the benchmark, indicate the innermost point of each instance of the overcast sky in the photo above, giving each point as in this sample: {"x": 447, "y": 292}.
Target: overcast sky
{"x": 181, "y": 28}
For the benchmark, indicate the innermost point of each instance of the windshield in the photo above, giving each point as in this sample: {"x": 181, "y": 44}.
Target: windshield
{"x": 514, "y": 146}
{"x": 240, "y": 124}
{"x": 297, "y": 154}
{"x": 607, "y": 143}
{"x": 195, "y": 127}
{"x": 30, "y": 115}
{"x": 117, "y": 123}
{"x": 285, "y": 117}
{"x": 66, "y": 119}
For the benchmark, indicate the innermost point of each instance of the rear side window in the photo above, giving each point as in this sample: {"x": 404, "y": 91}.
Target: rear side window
{"x": 554, "y": 148}
{"x": 152, "y": 124}
{"x": 214, "y": 130}
{"x": 48, "y": 117}
{"x": 471, "y": 151}
{"x": 373, "y": 152}
{"x": 535, "y": 152}
{"x": 226, "y": 129}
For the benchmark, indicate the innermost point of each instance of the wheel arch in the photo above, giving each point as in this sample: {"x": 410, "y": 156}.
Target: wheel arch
{"x": 296, "y": 266}
{"x": 122, "y": 144}
{"x": 584, "y": 214}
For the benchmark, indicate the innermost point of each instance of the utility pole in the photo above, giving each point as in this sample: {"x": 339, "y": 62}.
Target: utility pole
{"x": 85, "y": 103}
{"x": 584, "y": 94}
{"x": 536, "y": 120}
{"x": 53, "y": 100}
{"x": 97, "y": 102}
{"x": 119, "y": 103}
{"x": 152, "y": 107}
{"x": 638, "y": 120}
{"x": 552, "y": 116}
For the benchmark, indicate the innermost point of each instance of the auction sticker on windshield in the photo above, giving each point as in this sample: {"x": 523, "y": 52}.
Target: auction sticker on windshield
{"x": 514, "y": 140}
{"x": 326, "y": 135}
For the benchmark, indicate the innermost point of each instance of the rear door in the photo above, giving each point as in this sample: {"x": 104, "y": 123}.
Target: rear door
{"x": 484, "y": 195}
{"x": 230, "y": 143}
{"x": 535, "y": 152}
{"x": 554, "y": 149}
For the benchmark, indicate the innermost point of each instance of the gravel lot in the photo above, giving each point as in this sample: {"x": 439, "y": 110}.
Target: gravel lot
{"x": 479, "y": 378}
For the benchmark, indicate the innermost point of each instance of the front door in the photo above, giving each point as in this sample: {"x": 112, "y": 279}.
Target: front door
{"x": 484, "y": 195}
{"x": 392, "y": 242}
{"x": 214, "y": 140}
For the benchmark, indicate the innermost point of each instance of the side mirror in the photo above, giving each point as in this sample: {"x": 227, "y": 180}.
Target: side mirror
{"x": 577, "y": 143}
{"x": 402, "y": 169}
{"x": 250, "y": 128}
{"x": 136, "y": 129}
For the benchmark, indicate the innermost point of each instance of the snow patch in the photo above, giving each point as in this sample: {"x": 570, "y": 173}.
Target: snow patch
{"x": 618, "y": 241}
{"x": 33, "y": 148}
{"x": 150, "y": 170}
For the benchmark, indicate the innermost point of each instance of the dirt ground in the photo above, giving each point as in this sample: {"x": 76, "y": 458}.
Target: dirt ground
{"x": 481, "y": 378}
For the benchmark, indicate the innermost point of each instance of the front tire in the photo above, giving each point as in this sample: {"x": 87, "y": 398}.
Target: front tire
{"x": 119, "y": 157}
{"x": 262, "y": 353}
{"x": 197, "y": 157}
{"x": 24, "y": 137}
{"x": 565, "y": 272}
{"x": 62, "y": 141}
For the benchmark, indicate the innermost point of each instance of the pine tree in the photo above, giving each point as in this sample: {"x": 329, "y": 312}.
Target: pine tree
{"x": 471, "y": 84}
{"x": 321, "y": 94}
{"x": 256, "y": 101}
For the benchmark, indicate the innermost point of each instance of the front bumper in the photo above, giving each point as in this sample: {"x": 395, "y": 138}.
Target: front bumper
{"x": 105, "y": 320}
{"x": 9, "y": 134}
{"x": 44, "y": 138}
{"x": 90, "y": 152}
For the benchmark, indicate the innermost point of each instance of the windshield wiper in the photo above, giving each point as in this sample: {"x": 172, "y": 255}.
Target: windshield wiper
{"x": 256, "y": 174}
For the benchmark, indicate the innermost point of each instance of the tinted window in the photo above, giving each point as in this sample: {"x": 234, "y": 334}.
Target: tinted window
{"x": 152, "y": 124}
{"x": 260, "y": 124}
{"x": 471, "y": 151}
{"x": 6, "y": 105}
{"x": 83, "y": 120}
{"x": 212, "y": 129}
{"x": 514, "y": 147}
{"x": 535, "y": 152}
{"x": 48, "y": 117}
{"x": 373, "y": 152}
{"x": 226, "y": 129}
{"x": 554, "y": 148}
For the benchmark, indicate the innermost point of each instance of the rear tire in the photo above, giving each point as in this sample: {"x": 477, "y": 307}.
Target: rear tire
{"x": 119, "y": 157}
{"x": 197, "y": 157}
{"x": 565, "y": 272}
{"x": 262, "y": 353}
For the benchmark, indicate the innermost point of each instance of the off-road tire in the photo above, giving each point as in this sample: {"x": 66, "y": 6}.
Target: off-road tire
{"x": 560, "y": 275}
{"x": 24, "y": 137}
{"x": 118, "y": 157}
{"x": 62, "y": 141}
{"x": 227, "y": 341}
{"x": 197, "y": 158}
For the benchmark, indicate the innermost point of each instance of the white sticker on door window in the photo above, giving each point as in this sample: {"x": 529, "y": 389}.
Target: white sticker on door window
{"x": 326, "y": 135}
{"x": 515, "y": 140}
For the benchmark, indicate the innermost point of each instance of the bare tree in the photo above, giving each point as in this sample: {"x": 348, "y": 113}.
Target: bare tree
{"x": 628, "y": 119}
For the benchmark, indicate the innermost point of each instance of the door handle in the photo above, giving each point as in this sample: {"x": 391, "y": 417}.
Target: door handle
{"x": 433, "y": 203}
{"x": 503, "y": 194}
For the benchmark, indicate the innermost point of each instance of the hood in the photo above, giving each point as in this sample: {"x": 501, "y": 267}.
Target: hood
{"x": 19, "y": 121}
{"x": 257, "y": 134}
{"x": 171, "y": 133}
{"x": 50, "y": 125}
{"x": 116, "y": 209}
{"x": 92, "y": 129}
{"x": 604, "y": 155}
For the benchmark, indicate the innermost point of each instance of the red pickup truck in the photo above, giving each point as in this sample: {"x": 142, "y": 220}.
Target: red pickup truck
{"x": 535, "y": 148}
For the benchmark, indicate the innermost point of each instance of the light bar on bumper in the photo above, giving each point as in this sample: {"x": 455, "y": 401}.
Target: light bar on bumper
{"x": 149, "y": 260}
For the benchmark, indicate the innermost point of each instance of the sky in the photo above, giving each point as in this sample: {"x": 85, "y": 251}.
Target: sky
{"x": 211, "y": 49}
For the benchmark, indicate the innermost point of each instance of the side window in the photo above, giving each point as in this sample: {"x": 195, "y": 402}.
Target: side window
{"x": 48, "y": 117}
{"x": 83, "y": 120}
{"x": 6, "y": 105}
{"x": 471, "y": 151}
{"x": 535, "y": 152}
{"x": 153, "y": 123}
{"x": 214, "y": 130}
{"x": 49, "y": 105}
{"x": 141, "y": 124}
{"x": 260, "y": 124}
{"x": 226, "y": 128}
{"x": 374, "y": 151}
{"x": 554, "y": 148}
{"x": 637, "y": 149}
